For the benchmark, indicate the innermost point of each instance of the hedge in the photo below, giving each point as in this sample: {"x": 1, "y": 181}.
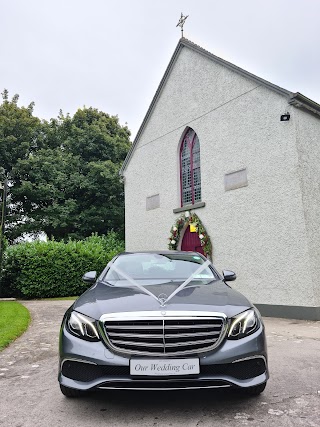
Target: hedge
{"x": 54, "y": 269}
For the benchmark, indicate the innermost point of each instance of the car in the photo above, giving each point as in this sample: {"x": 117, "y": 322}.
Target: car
{"x": 164, "y": 320}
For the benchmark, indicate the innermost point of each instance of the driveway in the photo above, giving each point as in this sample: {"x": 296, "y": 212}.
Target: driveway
{"x": 30, "y": 395}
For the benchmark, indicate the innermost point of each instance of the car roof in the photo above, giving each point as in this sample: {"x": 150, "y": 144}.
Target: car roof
{"x": 165, "y": 252}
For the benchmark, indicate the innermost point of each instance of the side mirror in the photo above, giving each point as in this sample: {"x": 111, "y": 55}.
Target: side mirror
{"x": 89, "y": 277}
{"x": 229, "y": 276}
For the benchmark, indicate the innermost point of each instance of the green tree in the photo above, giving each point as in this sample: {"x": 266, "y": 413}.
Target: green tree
{"x": 20, "y": 132}
{"x": 63, "y": 174}
{"x": 71, "y": 186}
{"x": 20, "y": 135}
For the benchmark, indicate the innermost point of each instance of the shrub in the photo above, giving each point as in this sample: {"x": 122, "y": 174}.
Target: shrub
{"x": 54, "y": 269}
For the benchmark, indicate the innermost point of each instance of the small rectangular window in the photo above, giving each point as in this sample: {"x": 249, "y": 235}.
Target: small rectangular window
{"x": 153, "y": 202}
{"x": 235, "y": 180}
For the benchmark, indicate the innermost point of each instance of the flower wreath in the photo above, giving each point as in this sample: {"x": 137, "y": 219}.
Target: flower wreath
{"x": 190, "y": 218}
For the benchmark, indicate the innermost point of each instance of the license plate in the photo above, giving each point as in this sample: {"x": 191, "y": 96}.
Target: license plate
{"x": 164, "y": 367}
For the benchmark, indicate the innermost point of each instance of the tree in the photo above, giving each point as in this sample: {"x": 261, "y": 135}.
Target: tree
{"x": 70, "y": 186}
{"x": 20, "y": 135}
{"x": 63, "y": 174}
{"x": 20, "y": 132}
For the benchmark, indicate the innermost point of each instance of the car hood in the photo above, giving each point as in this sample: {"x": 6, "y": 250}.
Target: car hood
{"x": 216, "y": 297}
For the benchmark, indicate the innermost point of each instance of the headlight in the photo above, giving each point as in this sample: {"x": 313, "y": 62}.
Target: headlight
{"x": 83, "y": 326}
{"x": 244, "y": 324}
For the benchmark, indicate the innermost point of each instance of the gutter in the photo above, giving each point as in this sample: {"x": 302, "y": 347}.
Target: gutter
{"x": 300, "y": 101}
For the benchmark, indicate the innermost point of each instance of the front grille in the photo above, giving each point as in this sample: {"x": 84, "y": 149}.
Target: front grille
{"x": 169, "y": 336}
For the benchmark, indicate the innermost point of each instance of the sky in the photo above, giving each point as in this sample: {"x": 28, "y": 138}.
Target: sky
{"x": 111, "y": 55}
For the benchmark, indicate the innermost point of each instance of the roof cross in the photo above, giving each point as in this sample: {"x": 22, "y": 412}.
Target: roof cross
{"x": 181, "y": 22}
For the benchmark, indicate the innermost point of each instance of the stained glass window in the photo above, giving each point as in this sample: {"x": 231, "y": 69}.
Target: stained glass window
{"x": 190, "y": 169}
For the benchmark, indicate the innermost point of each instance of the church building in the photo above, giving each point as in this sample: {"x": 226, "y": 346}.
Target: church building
{"x": 228, "y": 164}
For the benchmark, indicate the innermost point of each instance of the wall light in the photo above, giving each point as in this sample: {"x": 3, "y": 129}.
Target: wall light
{"x": 285, "y": 117}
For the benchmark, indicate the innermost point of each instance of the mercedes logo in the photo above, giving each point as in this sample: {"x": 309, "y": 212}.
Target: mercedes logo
{"x": 162, "y": 298}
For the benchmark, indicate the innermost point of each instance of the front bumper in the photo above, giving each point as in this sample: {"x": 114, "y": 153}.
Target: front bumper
{"x": 91, "y": 365}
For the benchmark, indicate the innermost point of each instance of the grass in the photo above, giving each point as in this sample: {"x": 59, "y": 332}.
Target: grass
{"x": 14, "y": 320}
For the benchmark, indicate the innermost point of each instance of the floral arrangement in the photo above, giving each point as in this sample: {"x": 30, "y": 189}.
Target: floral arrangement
{"x": 191, "y": 219}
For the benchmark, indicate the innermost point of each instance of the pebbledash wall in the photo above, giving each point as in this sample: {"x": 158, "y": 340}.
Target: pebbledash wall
{"x": 268, "y": 231}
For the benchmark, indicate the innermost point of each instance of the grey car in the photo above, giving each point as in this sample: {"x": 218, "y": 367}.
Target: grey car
{"x": 163, "y": 320}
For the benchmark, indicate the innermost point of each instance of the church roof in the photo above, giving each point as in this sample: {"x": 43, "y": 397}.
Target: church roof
{"x": 296, "y": 99}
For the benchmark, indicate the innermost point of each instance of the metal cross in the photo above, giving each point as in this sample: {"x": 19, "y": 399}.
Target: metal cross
{"x": 181, "y": 22}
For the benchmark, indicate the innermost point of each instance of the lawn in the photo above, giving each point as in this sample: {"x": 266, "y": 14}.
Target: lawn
{"x": 14, "y": 320}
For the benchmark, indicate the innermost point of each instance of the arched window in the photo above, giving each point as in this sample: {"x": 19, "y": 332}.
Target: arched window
{"x": 190, "y": 173}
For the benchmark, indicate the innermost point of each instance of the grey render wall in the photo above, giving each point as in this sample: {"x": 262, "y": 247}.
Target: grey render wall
{"x": 308, "y": 146}
{"x": 258, "y": 230}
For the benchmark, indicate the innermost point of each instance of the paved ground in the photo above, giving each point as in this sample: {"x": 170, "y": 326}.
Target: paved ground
{"x": 30, "y": 397}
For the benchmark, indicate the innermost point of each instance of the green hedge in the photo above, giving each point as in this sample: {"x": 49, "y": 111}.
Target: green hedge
{"x": 54, "y": 269}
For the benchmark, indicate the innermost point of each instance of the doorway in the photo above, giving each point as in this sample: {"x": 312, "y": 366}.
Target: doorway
{"x": 191, "y": 242}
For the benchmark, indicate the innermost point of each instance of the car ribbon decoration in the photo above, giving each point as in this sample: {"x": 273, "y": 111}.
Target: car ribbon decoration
{"x": 161, "y": 301}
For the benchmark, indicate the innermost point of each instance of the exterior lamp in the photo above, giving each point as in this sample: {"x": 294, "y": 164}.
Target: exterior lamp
{"x": 285, "y": 117}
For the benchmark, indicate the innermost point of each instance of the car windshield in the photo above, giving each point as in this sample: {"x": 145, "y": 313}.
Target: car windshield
{"x": 158, "y": 268}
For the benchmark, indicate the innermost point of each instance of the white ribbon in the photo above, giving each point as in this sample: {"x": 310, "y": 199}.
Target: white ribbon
{"x": 132, "y": 281}
{"x": 186, "y": 282}
{"x": 146, "y": 291}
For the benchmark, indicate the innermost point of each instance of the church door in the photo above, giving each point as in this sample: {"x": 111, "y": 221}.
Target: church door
{"x": 191, "y": 242}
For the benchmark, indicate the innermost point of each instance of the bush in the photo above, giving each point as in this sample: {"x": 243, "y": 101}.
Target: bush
{"x": 54, "y": 269}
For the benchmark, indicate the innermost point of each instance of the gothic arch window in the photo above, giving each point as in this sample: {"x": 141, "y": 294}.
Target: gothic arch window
{"x": 190, "y": 172}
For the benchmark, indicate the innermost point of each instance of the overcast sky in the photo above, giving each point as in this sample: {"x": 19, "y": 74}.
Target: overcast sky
{"x": 64, "y": 54}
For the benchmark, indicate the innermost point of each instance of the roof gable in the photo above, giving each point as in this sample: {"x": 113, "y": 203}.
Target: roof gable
{"x": 295, "y": 99}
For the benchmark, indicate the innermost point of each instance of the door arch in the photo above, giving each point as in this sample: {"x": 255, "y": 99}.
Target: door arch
{"x": 180, "y": 234}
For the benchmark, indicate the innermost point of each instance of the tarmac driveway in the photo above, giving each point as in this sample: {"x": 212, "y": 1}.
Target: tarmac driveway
{"x": 30, "y": 396}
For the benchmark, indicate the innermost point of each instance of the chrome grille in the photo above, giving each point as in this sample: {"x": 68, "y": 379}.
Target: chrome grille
{"x": 158, "y": 334}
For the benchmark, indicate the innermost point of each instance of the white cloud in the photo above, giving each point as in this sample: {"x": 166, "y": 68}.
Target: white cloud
{"x": 112, "y": 55}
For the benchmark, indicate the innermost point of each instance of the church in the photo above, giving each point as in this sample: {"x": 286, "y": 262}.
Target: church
{"x": 228, "y": 164}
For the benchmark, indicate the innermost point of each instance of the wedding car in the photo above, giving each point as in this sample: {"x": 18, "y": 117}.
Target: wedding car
{"x": 162, "y": 320}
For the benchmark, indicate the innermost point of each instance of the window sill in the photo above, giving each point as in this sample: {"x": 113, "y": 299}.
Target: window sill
{"x": 189, "y": 207}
